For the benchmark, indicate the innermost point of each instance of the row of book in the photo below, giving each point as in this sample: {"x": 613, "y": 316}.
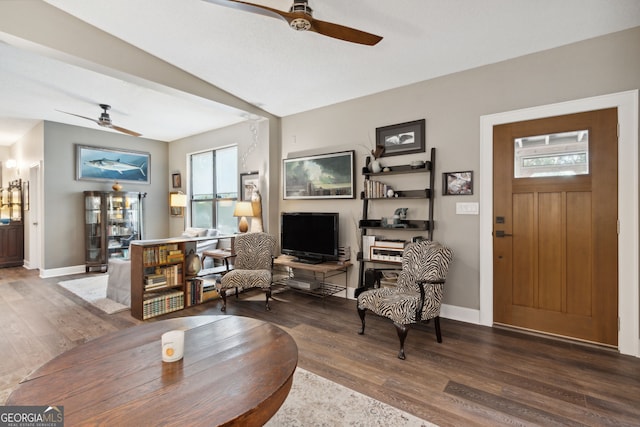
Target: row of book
{"x": 162, "y": 254}
{"x": 163, "y": 277}
{"x": 199, "y": 290}
{"x": 375, "y": 189}
{"x": 161, "y": 303}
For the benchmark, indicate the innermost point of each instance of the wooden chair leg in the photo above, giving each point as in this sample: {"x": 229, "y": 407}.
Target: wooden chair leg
{"x": 223, "y": 294}
{"x": 268, "y": 292}
{"x": 402, "y": 334}
{"x": 361, "y": 313}
{"x": 436, "y": 322}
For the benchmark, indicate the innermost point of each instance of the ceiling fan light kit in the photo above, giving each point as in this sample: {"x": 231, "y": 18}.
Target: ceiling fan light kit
{"x": 300, "y": 23}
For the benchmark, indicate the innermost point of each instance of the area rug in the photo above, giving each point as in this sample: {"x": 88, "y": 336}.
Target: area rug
{"x": 93, "y": 289}
{"x": 317, "y": 401}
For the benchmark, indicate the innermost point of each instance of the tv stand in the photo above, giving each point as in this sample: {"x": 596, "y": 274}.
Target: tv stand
{"x": 314, "y": 274}
{"x": 312, "y": 261}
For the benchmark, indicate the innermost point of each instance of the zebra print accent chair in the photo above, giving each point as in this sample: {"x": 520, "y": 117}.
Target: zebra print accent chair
{"x": 252, "y": 265}
{"x": 418, "y": 293}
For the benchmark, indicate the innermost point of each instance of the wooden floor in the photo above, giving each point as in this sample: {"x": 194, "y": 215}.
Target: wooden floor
{"x": 477, "y": 376}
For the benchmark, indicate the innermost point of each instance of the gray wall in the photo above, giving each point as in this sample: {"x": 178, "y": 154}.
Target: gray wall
{"x": 452, "y": 106}
{"x": 253, "y": 155}
{"x": 63, "y": 199}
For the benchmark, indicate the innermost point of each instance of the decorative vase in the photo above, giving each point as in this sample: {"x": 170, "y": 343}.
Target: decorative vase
{"x": 193, "y": 264}
{"x": 375, "y": 166}
{"x": 116, "y": 186}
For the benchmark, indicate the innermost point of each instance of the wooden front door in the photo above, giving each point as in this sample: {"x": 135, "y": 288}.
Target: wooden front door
{"x": 555, "y": 236}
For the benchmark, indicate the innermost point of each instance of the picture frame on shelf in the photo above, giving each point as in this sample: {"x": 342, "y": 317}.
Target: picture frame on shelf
{"x": 402, "y": 138}
{"x": 105, "y": 164}
{"x": 457, "y": 183}
{"x": 323, "y": 176}
{"x": 176, "y": 180}
{"x": 249, "y": 181}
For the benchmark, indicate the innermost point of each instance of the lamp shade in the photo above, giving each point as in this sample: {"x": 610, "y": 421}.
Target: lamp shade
{"x": 178, "y": 200}
{"x": 243, "y": 209}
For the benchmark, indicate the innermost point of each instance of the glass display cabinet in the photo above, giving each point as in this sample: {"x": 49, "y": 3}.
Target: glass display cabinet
{"x": 112, "y": 220}
{"x": 11, "y": 225}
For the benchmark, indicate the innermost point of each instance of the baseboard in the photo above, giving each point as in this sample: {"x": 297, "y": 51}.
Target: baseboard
{"x": 64, "y": 271}
{"x": 463, "y": 314}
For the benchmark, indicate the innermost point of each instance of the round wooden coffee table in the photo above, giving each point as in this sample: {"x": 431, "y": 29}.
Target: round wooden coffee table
{"x": 235, "y": 371}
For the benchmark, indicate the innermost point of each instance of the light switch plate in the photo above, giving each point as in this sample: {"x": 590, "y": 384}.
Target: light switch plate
{"x": 472, "y": 208}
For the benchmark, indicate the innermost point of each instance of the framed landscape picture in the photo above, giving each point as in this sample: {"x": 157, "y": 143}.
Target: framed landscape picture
{"x": 325, "y": 176}
{"x": 104, "y": 164}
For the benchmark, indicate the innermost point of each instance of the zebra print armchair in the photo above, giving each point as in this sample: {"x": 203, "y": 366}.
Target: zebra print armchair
{"x": 252, "y": 265}
{"x": 418, "y": 293}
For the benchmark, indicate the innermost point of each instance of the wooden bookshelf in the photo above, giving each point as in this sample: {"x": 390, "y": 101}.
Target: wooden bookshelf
{"x": 159, "y": 283}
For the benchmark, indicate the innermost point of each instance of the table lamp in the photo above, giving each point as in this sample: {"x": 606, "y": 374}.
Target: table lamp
{"x": 179, "y": 201}
{"x": 243, "y": 210}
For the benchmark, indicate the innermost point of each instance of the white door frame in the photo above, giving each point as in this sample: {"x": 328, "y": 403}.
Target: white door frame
{"x": 33, "y": 223}
{"x": 628, "y": 209}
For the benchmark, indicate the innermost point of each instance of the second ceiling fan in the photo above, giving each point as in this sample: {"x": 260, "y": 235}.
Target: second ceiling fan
{"x": 105, "y": 120}
{"x": 300, "y": 18}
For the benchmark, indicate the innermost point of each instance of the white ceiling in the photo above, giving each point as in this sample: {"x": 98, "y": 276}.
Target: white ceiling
{"x": 260, "y": 60}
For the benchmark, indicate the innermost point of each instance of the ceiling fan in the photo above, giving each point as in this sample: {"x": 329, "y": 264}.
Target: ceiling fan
{"x": 300, "y": 18}
{"x": 105, "y": 120}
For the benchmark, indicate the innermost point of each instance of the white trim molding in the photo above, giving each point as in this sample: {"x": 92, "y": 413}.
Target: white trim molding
{"x": 628, "y": 209}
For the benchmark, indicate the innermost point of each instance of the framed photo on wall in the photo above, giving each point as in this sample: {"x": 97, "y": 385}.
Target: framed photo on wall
{"x": 176, "y": 180}
{"x": 104, "y": 164}
{"x": 325, "y": 176}
{"x": 403, "y": 138}
{"x": 457, "y": 183}
{"x": 249, "y": 181}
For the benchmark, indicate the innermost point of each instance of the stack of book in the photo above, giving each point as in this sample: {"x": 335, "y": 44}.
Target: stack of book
{"x": 157, "y": 304}
{"x": 160, "y": 254}
{"x": 155, "y": 281}
{"x": 375, "y": 189}
{"x": 199, "y": 290}
{"x": 175, "y": 255}
{"x": 174, "y": 274}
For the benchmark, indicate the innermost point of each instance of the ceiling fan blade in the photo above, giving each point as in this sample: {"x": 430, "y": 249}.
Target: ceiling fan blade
{"x": 344, "y": 33}
{"x": 123, "y": 130}
{"x": 82, "y": 117}
{"x": 250, "y": 7}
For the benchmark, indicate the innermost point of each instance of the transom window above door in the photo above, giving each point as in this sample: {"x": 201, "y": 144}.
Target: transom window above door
{"x": 557, "y": 154}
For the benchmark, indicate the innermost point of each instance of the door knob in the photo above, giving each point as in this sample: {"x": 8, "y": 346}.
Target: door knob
{"x": 501, "y": 233}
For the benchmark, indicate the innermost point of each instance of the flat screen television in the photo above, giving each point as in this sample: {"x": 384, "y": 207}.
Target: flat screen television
{"x": 312, "y": 237}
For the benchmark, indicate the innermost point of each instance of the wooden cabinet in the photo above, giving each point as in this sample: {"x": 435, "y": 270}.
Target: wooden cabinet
{"x": 11, "y": 225}
{"x": 112, "y": 220}
{"x": 377, "y": 189}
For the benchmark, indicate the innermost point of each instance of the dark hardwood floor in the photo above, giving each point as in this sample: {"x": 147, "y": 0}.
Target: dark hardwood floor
{"x": 477, "y": 376}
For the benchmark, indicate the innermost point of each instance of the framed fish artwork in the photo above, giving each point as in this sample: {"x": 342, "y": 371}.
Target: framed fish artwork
{"x": 106, "y": 164}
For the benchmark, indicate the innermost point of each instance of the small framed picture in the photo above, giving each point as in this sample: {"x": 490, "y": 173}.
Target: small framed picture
{"x": 457, "y": 183}
{"x": 176, "y": 180}
{"x": 403, "y": 138}
{"x": 249, "y": 182}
